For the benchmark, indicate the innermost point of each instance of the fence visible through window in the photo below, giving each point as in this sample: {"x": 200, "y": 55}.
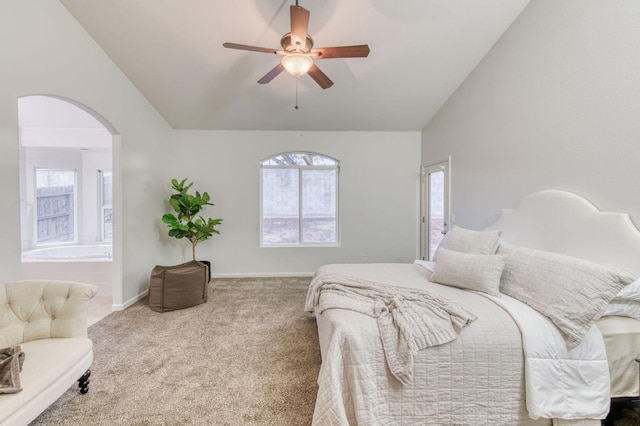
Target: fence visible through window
{"x": 55, "y": 206}
{"x": 299, "y": 199}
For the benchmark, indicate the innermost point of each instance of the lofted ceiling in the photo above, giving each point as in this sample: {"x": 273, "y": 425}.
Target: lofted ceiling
{"x": 421, "y": 51}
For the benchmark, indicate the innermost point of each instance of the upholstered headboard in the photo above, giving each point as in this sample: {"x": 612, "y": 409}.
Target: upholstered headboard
{"x": 564, "y": 222}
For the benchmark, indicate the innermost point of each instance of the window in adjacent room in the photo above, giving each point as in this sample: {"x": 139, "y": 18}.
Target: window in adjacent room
{"x": 299, "y": 200}
{"x": 55, "y": 206}
{"x": 106, "y": 205}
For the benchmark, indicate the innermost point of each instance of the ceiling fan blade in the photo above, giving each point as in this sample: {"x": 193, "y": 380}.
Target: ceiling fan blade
{"x": 252, "y": 48}
{"x": 271, "y": 74}
{"x": 319, "y": 77}
{"x": 359, "y": 51}
{"x": 299, "y": 25}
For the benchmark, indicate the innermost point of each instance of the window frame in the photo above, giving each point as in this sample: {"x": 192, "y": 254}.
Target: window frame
{"x": 301, "y": 168}
{"x": 102, "y": 206}
{"x": 73, "y": 213}
{"x": 426, "y": 245}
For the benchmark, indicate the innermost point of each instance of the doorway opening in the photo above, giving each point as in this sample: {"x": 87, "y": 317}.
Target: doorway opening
{"x": 67, "y": 197}
{"x": 435, "y": 206}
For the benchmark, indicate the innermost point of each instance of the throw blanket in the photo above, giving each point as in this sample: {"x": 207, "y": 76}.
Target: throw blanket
{"x": 11, "y": 360}
{"x": 408, "y": 320}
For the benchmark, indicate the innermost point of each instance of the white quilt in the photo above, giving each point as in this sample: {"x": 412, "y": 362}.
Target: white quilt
{"x": 451, "y": 385}
{"x": 560, "y": 383}
{"x": 476, "y": 379}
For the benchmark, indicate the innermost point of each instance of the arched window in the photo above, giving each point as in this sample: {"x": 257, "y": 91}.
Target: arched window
{"x": 299, "y": 200}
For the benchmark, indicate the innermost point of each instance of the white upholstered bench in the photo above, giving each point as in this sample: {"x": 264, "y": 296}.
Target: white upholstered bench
{"x": 48, "y": 320}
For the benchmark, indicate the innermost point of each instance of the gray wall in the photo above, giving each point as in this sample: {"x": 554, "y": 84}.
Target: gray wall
{"x": 45, "y": 51}
{"x": 554, "y": 105}
{"x": 378, "y": 196}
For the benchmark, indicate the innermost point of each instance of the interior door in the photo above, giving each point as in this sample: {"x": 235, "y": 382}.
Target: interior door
{"x": 435, "y": 216}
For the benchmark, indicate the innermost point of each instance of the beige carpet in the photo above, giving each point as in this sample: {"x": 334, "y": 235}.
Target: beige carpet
{"x": 248, "y": 356}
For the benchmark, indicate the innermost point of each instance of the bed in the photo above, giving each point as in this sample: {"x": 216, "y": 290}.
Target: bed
{"x": 508, "y": 363}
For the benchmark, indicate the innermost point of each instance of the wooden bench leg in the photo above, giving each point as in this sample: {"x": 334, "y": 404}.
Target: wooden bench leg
{"x": 83, "y": 382}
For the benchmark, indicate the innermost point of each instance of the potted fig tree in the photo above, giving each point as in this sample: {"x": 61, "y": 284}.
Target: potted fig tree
{"x": 187, "y": 223}
{"x": 185, "y": 285}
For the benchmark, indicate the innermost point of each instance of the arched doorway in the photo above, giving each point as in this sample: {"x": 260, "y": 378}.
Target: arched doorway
{"x": 69, "y": 197}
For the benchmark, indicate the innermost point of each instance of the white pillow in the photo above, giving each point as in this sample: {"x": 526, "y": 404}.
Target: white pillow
{"x": 630, "y": 292}
{"x": 468, "y": 241}
{"x": 623, "y": 308}
{"x": 479, "y": 272}
{"x": 573, "y": 293}
{"x": 425, "y": 264}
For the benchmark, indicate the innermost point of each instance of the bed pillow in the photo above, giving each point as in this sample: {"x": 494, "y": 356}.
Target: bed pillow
{"x": 425, "y": 264}
{"x": 623, "y": 308}
{"x": 479, "y": 272}
{"x": 630, "y": 292}
{"x": 573, "y": 293}
{"x": 468, "y": 241}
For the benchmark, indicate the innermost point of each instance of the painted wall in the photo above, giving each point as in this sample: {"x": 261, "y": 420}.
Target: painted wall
{"x": 378, "y": 197}
{"x": 45, "y": 51}
{"x": 554, "y": 105}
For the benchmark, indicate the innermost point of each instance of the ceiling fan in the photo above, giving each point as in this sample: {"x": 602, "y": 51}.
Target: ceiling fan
{"x": 299, "y": 53}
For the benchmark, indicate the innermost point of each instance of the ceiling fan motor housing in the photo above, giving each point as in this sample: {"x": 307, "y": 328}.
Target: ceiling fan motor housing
{"x": 288, "y": 47}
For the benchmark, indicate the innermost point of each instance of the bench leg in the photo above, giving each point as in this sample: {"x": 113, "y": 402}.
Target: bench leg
{"x": 83, "y": 382}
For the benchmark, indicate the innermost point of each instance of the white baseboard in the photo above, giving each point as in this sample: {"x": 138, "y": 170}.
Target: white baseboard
{"x": 264, "y": 275}
{"x": 125, "y": 305}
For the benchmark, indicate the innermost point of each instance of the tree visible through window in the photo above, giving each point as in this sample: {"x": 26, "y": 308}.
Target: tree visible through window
{"x": 299, "y": 199}
{"x": 55, "y": 206}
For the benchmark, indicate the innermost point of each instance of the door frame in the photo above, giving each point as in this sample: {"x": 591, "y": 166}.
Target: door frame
{"x": 444, "y": 166}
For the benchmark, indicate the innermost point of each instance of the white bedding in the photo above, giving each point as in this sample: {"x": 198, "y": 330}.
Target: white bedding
{"x": 451, "y": 384}
{"x": 476, "y": 379}
{"x": 560, "y": 383}
{"x": 622, "y": 339}
{"x": 409, "y": 320}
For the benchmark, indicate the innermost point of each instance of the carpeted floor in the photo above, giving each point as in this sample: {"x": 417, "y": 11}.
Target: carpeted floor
{"x": 249, "y": 355}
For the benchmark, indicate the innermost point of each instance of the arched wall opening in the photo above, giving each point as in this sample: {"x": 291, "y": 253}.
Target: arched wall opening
{"x": 70, "y": 192}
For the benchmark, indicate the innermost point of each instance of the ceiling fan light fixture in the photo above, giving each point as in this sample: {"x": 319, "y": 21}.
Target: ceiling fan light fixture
{"x": 297, "y": 64}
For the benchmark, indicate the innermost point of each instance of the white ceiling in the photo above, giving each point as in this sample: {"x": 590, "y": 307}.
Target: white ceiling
{"x": 421, "y": 51}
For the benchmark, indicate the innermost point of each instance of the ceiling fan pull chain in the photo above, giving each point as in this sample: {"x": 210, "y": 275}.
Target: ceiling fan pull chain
{"x": 297, "y": 78}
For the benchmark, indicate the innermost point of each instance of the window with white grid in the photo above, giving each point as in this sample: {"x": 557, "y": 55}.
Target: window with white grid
{"x": 299, "y": 200}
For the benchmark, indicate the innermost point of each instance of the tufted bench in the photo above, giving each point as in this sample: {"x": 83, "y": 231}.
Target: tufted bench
{"x": 48, "y": 319}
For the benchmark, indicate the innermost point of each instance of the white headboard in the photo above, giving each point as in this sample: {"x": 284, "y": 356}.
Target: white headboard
{"x": 564, "y": 222}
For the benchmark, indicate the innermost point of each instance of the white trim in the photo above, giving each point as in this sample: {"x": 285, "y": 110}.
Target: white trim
{"x": 301, "y": 168}
{"x": 135, "y": 299}
{"x": 264, "y": 275}
{"x": 117, "y": 265}
{"x": 445, "y": 166}
{"x": 76, "y": 190}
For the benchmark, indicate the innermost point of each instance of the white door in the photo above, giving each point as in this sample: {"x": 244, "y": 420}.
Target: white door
{"x": 435, "y": 206}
